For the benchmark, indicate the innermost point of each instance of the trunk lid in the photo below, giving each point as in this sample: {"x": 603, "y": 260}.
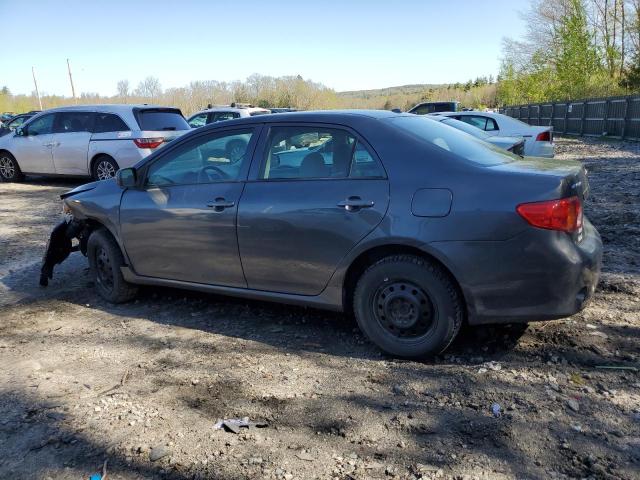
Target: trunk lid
{"x": 562, "y": 178}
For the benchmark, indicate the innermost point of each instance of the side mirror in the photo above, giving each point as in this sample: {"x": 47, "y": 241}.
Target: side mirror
{"x": 19, "y": 132}
{"x": 127, "y": 177}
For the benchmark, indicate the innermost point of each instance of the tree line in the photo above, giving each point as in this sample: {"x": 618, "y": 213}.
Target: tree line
{"x": 572, "y": 49}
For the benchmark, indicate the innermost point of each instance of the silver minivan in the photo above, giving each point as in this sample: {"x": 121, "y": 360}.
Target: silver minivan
{"x": 93, "y": 140}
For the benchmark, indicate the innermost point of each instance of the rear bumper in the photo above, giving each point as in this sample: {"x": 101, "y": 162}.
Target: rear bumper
{"x": 541, "y": 149}
{"x": 537, "y": 275}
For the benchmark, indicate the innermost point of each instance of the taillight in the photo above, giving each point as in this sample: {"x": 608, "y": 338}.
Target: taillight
{"x": 564, "y": 214}
{"x": 148, "y": 142}
{"x": 544, "y": 136}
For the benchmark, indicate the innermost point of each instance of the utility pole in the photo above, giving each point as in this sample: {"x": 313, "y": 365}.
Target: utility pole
{"x": 73, "y": 90}
{"x": 36, "y": 84}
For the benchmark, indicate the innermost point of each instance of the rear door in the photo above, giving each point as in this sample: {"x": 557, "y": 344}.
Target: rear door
{"x": 319, "y": 190}
{"x": 182, "y": 224}
{"x": 72, "y": 133}
{"x": 33, "y": 149}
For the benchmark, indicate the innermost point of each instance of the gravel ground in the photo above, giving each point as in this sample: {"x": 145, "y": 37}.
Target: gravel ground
{"x": 141, "y": 385}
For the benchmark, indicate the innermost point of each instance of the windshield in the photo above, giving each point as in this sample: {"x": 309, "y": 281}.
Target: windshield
{"x": 156, "y": 119}
{"x": 452, "y": 140}
{"x": 466, "y": 128}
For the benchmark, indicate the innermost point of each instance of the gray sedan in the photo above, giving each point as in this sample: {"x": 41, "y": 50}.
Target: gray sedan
{"x": 412, "y": 225}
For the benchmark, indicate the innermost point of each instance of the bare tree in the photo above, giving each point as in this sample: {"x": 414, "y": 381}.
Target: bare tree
{"x": 123, "y": 89}
{"x": 149, "y": 88}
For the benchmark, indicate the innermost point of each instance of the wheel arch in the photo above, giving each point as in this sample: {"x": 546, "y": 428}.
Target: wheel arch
{"x": 96, "y": 157}
{"x": 371, "y": 255}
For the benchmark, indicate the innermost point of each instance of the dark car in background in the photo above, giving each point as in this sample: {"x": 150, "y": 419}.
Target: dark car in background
{"x": 412, "y": 225}
{"x": 6, "y": 116}
{"x": 15, "y": 122}
{"x": 425, "y": 108}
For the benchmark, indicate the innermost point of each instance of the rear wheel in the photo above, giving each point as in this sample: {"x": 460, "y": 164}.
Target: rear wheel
{"x": 9, "y": 168}
{"x": 407, "y": 306}
{"x": 105, "y": 260}
{"x": 104, "y": 168}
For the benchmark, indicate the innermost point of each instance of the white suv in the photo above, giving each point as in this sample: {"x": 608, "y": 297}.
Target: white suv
{"x": 219, "y": 114}
{"x": 93, "y": 140}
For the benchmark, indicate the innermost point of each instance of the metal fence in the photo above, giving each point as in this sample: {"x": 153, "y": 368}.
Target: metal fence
{"x": 617, "y": 117}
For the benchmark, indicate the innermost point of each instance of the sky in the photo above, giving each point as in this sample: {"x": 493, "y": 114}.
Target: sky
{"x": 346, "y": 45}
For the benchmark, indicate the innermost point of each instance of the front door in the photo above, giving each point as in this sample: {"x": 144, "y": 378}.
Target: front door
{"x": 72, "y": 135}
{"x": 34, "y": 148}
{"x": 320, "y": 190}
{"x": 182, "y": 224}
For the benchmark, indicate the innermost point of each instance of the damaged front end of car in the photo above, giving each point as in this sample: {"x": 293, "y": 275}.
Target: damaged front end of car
{"x": 60, "y": 244}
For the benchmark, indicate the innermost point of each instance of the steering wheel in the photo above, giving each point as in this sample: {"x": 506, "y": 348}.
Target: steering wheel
{"x": 221, "y": 175}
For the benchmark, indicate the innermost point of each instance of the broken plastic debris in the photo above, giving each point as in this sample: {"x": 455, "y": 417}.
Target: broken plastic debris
{"x": 235, "y": 424}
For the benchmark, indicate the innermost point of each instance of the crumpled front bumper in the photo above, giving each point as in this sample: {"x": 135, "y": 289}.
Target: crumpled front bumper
{"x": 60, "y": 246}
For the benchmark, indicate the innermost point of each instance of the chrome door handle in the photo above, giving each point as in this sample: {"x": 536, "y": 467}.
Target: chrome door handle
{"x": 219, "y": 204}
{"x": 355, "y": 203}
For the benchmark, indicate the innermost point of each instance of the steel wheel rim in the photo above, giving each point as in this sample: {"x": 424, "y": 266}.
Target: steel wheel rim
{"x": 7, "y": 170}
{"x": 105, "y": 170}
{"x": 104, "y": 270}
{"x": 404, "y": 310}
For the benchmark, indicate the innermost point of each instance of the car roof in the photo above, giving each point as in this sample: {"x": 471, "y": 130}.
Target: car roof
{"x": 330, "y": 116}
{"x": 109, "y": 107}
{"x": 233, "y": 109}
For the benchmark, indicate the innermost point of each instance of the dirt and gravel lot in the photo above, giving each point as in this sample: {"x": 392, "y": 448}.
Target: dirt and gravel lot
{"x": 141, "y": 385}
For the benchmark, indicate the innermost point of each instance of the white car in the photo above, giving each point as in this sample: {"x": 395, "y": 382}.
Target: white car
{"x": 219, "y": 114}
{"x": 87, "y": 140}
{"x": 538, "y": 140}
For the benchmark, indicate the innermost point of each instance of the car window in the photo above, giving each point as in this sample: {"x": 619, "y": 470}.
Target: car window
{"x": 205, "y": 159}
{"x": 365, "y": 165}
{"x": 16, "y": 122}
{"x": 221, "y": 116}
{"x": 476, "y": 121}
{"x": 160, "y": 119}
{"x": 491, "y": 125}
{"x": 109, "y": 122}
{"x": 41, "y": 126}
{"x": 199, "y": 120}
{"x": 312, "y": 152}
{"x": 70, "y": 122}
{"x": 452, "y": 140}
{"x": 465, "y": 127}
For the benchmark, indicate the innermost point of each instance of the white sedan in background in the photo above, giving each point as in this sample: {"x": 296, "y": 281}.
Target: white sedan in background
{"x": 538, "y": 140}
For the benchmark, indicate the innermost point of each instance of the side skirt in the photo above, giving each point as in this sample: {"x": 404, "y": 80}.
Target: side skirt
{"x": 323, "y": 301}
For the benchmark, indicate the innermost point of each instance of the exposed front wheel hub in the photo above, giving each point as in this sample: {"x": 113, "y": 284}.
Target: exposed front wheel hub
{"x": 403, "y": 309}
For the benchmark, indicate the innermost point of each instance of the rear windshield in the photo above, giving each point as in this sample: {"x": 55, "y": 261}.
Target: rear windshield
{"x": 452, "y": 140}
{"x": 161, "y": 119}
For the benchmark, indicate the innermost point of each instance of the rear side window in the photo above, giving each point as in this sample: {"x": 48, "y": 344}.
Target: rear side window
{"x": 70, "y": 122}
{"x": 312, "y": 152}
{"x": 483, "y": 123}
{"x": 222, "y": 116}
{"x": 159, "y": 119}
{"x": 108, "y": 122}
{"x": 199, "y": 120}
{"x": 452, "y": 140}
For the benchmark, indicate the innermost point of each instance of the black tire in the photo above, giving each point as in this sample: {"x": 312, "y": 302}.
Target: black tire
{"x": 408, "y": 307}
{"x": 104, "y": 167}
{"x": 105, "y": 260}
{"x": 9, "y": 168}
